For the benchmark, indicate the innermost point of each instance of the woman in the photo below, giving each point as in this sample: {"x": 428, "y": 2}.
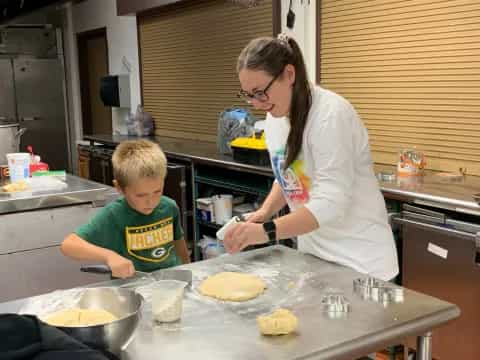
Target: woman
{"x": 322, "y": 164}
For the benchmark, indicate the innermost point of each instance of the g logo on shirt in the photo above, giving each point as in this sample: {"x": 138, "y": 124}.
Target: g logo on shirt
{"x": 158, "y": 252}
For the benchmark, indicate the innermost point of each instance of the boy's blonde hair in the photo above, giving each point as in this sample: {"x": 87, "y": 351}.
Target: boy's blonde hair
{"x": 138, "y": 159}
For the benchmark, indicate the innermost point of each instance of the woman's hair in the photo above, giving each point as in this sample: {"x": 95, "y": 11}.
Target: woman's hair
{"x": 272, "y": 55}
{"x": 138, "y": 159}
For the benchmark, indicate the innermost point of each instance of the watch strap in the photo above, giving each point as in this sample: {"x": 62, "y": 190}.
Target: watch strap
{"x": 271, "y": 230}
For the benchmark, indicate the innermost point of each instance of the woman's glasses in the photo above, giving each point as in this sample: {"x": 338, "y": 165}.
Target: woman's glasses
{"x": 259, "y": 95}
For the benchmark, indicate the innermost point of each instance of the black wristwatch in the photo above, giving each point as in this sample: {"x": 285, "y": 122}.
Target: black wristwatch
{"x": 270, "y": 230}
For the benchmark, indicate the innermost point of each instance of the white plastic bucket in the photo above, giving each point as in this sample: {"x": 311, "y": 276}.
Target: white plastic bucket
{"x": 222, "y": 205}
{"x": 167, "y": 299}
{"x": 18, "y": 166}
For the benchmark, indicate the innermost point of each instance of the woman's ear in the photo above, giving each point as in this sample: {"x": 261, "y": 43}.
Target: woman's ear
{"x": 290, "y": 73}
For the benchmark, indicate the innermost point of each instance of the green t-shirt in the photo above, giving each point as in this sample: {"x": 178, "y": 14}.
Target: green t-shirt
{"x": 147, "y": 240}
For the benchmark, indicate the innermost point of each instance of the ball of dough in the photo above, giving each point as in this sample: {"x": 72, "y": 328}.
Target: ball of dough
{"x": 280, "y": 322}
{"x": 80, "y": 317}
{"x": 233, "y": 286}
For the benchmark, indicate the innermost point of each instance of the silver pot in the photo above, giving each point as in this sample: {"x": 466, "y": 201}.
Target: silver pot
{"x": 9, "y": 140}
{"x": 125, "y": 304}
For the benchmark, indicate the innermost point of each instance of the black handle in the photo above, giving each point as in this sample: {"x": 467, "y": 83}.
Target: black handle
{"x": 96, "y": 269}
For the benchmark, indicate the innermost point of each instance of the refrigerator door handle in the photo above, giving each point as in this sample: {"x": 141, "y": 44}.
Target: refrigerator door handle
{"x": 415, "y": 209}
{"x": 30, "y": 118}
{"x": 445, "y": 230}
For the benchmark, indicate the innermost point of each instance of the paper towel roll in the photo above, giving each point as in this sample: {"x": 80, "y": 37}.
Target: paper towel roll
{"x": 222, "y": 205}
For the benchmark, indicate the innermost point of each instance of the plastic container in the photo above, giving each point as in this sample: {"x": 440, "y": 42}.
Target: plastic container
{"x": 252, "y": 157}
{"x": 167, "y": 299}
{"x": 213, "y": 250}
{"x": 222, "y": 205}
{"x": 18, "y": 166}
{"x": 411, "y": 162}
{"x": 39, "y": 166}
{"x": 211, "y": 247}
{"x": 251, "y": 150}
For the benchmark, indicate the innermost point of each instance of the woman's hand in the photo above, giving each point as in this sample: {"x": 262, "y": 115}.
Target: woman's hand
{"x": 121, "y": 267}
{"x": 243, "y": 234}
{"x": 259, "y": 216}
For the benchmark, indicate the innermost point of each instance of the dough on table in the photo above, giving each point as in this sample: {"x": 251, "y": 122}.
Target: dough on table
{"x": 233, "y": 286}
{"x": 79, "y": 317}
{"x": 16, "y": 186}
{"x": 280, "y": 322}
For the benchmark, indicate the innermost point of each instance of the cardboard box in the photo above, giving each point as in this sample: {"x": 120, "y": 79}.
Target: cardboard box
{"x": 4, "y": 175}
{"x": 205, "y": 210}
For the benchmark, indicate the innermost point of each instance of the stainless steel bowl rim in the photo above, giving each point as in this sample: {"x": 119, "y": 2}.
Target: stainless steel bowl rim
{"x": 142, "y": 303}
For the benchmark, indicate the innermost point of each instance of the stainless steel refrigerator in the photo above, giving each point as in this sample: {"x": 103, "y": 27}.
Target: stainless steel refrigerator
{"x": 32, "y": 94}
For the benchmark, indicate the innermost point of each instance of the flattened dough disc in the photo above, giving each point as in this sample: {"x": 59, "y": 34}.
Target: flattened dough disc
{"x": 233, "y": 286}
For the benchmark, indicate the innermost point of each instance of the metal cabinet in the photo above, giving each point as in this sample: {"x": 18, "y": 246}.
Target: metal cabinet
{"x": 40, "y": 109}
{"x": 23, "y": 231}
{"x": 30, "y": 259}
{"x": 38, "y": 271}
{"x": 444, "y": 262}
{"x": 7, "y": 89}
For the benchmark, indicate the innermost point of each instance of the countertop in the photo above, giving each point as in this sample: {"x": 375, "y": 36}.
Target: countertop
{"x": 187, "y": 150}
{"x": 77, "y": 191}
{"x": 429, "y": 189}
{"x": 212, "y": 329}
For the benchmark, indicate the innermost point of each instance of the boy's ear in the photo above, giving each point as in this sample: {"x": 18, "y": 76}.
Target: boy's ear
{"x": 119, "y": 189}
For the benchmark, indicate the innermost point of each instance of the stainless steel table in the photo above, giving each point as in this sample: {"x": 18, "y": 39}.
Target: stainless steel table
{"x": 78, "y": 191}
{"x": 213, "y": 329}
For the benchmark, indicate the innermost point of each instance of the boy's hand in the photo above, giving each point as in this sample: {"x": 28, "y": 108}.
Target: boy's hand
{"x": 121, "y": 267}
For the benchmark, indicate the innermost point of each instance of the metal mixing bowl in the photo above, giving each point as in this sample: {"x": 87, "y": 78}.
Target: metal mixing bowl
{"x": 125, "y": 304}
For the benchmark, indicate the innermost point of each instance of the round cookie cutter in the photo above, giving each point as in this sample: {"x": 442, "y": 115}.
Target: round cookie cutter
{"x": 335, "y": 305}
{"x": 373, "y": 289}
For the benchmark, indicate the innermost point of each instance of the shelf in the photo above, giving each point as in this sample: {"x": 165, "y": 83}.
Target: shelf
{"x": 237, "y": 186}
{"x": 233, "y": 179}
{"x": 209, "y": 224}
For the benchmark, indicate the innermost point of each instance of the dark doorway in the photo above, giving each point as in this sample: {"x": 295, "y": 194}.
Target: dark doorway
{"x": 93, "y": 65}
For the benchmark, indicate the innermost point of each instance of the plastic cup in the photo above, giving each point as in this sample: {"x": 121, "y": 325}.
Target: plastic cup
{"x": 18, "y": 166}
{"x": 167, "y": 299}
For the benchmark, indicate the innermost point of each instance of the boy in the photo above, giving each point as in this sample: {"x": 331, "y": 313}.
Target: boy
{"x": 140, "y": 231}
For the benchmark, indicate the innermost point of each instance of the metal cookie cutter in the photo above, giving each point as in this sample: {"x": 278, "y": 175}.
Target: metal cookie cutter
{"x": 373, "y": 289}
{"x": 335, "y": 305}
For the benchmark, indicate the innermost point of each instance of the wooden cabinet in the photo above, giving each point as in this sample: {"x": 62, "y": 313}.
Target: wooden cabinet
{"x": 83, "y": 162}
{"x": 443, "y": 262}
